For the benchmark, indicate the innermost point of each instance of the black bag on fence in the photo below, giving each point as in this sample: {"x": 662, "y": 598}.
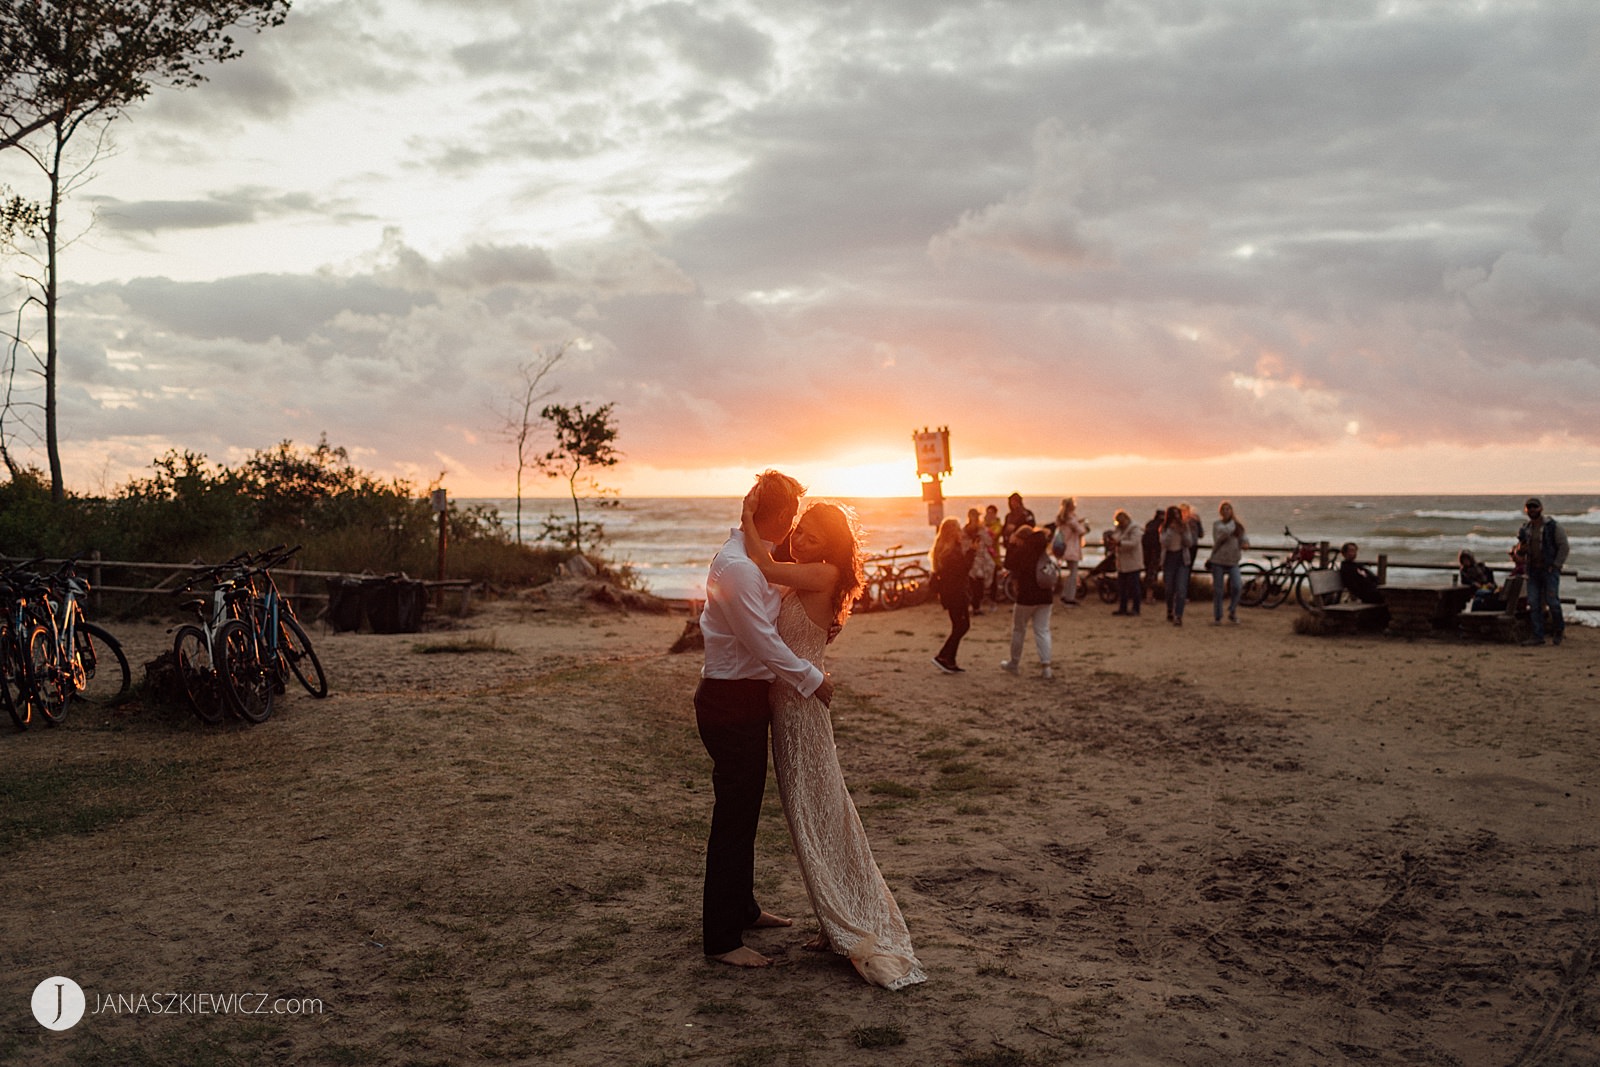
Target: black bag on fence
{"x": 345, "y": 604}
{"x": 394, "y": 604}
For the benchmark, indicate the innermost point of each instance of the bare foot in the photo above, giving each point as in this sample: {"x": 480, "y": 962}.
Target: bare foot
{"x": 743, "y": 956}
{"x": 768, "y": 919}
{"x": 820, "y": 943}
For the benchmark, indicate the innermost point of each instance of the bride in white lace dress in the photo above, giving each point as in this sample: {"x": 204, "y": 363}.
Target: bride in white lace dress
{"x": 857, "y": 913}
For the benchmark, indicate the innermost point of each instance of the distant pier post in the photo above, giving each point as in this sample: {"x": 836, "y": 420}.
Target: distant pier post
{"x": 441, "y": 506}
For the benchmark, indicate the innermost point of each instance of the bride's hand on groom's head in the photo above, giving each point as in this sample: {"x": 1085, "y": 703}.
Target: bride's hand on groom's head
{"x": 751, "y": 499}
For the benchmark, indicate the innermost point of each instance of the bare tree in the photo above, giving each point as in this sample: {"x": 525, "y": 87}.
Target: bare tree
{"x": 67, "y": 65}
{"x": 521, "y": 425}
{"x": 19, "y": 219}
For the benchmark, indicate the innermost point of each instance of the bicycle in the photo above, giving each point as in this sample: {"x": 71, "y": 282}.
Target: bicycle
{"x": 1271, "y": 587}
{"x": 242, "y": 651}
{"x": 102, "y": 680}
{"x": 29, "y": 680}
{"x": 285, "y": 639}
{"x": 52, "y": 654}
{"x": 890, "y": 585}
{"x": 194, "y": 644}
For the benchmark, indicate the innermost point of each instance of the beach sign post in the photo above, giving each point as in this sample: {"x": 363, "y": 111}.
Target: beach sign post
{"x": 933, "y": 463}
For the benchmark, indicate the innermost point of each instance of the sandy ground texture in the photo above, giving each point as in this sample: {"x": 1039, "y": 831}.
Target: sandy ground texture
{"x": 1214, "y": 845}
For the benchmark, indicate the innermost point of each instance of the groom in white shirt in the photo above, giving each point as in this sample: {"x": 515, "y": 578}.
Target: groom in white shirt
{"x": 744, "y": 657}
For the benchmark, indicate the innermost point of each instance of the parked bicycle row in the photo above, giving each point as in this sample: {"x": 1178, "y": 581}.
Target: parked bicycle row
{"x": 50, "y": 655}
{"x": 245, "y": 643}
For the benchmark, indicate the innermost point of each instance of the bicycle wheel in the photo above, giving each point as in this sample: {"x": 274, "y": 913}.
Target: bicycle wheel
{"x": 1279, "y": 584}
{"x": 916, "y": 585}
{"x": 1303, "y": 594}
{"x": 294, "y": 648}
{"x": 50, "y": 684}
{"x": 14, "y": 681}
{"x": 197, "y": 674}
{"x": 1253, "y": 582}
{"x": 106, "y": 678}
{"x": 246, "y": 681}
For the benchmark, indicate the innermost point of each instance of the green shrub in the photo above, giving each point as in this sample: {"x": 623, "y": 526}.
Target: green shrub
{"x": 344, "y": 519}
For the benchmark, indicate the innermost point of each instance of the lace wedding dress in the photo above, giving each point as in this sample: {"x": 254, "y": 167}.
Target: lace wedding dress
{"x": 858, "y": 914}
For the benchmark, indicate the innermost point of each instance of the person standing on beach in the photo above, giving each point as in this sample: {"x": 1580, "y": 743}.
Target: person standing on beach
{"x": 1177, "y": 546}
{"x": 1017, "y": 517}
{"x": 1544, "y": 547}
{"x": 1152, "y": 553}
{"x": 1032, "y": 608}
{"x": 951, "y": 563}
{"x": 744, "y": 656}
{"x": 994, "y": 524}
{"x": 1228, "y": 542}
{"x": 1129, "y": 537}
{"x": 977, "y": 535}
{"x": 1067, "y": 546}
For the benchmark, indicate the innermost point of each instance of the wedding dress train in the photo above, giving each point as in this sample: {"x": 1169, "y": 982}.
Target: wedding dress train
{"x": 858, "y": 914}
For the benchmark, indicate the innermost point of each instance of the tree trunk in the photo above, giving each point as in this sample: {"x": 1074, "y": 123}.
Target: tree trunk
{"x": 577, "y": 514}
{"x": 52, "y": 251}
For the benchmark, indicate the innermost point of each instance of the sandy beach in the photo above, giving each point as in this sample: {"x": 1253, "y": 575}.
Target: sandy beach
{"x": 1214, "y": 845}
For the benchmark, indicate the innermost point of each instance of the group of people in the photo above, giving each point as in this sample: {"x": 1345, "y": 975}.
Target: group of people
{"x": 1041, "y": 563}
{"x": 1537, "y": 556}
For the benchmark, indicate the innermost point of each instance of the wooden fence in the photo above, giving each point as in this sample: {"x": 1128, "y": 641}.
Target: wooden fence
{"x": 290, "y": 580}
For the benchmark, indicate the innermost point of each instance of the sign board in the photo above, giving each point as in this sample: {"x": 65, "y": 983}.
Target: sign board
{"x": 440, "y": 504}
{"x": 933, "y": 451}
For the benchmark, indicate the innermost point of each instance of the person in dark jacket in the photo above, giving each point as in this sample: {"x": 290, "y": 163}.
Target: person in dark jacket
{"x": 1356, "y": 578}
{"x": 951, "y": 563}
{"x": 1544, "y": 547}
{"x": 1033, "y": 604}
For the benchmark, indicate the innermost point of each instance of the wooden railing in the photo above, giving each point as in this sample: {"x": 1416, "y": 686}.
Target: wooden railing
{"x": 288, "y": 577}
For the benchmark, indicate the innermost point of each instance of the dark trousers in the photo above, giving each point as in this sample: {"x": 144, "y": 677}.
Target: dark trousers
{"x": 960, "y": 623}
{"x": 1129, "y": 592}
{"x": 733, "y": 717}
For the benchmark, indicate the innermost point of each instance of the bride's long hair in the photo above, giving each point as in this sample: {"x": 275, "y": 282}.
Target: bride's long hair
{"x": 840, "y": 533}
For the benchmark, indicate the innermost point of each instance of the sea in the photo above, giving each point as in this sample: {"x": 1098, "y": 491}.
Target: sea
{"x": 669, "y": 541}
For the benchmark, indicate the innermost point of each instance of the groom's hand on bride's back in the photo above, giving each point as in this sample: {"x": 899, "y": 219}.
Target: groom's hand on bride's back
{"x": 824, "y": 691}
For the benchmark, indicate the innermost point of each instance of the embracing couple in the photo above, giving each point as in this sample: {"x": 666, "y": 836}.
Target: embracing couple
{"x": 766, "y": 625}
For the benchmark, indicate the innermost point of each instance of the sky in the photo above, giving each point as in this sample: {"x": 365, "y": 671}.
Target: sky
{"x": 1140, "y": 246}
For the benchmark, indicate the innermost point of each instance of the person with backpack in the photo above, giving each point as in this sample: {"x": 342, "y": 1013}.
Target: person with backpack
{"x": 1034, "y": 572}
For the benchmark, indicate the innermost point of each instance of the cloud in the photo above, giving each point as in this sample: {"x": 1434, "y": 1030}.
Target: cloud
{"x": 1090, "y": 229}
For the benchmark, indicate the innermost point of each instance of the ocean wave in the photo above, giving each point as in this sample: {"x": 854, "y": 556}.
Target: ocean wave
{"x": 1472, "y": 516}
{"x": 1590, "y": 517}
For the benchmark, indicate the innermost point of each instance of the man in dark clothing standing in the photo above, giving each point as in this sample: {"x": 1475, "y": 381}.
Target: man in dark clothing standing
{"x": 1544, "y": 545}
{"x": 1017, "y": 516}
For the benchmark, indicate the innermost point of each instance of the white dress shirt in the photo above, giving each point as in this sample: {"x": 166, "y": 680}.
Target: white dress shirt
{"x": 740, "y": 624}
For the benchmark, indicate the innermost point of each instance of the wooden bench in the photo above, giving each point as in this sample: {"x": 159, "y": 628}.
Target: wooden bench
{"x": 1330, "y": 599}
{"x": 1504, "y": 625}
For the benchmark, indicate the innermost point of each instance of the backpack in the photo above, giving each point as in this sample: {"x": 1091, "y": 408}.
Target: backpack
{"x": 1046, "y": 574}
